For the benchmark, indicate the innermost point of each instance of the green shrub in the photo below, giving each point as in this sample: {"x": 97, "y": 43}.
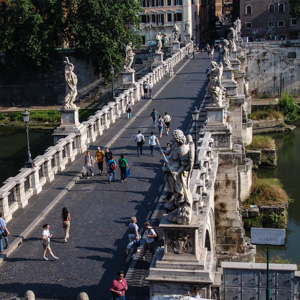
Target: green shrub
{"x": 265, "y": 115}
{"x": 288, "y": 107}
{"x": 45, "y": 116}
{"x": 2, "y": 116}
{"x": 261, "y": 142}
{"x": 15, "y": 116}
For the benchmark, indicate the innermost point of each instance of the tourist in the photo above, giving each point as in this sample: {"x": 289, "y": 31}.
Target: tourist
{"x": 123, "y": 164}
{"x": 152, "y": 142}
{"x": 112, "y": 169}
{"x": 46, "y": 235}
{"x": 212, "y": 52}
{"x": 150, "y": 87}
{"x": 140, "y": 140}
{"x": 145, "y": 87}
{"x": 154, "y": 115}
{"x": 166, "y": 155}
{"x": 66, "y": 220}
{"x": 160, "y": 125}
{"x": 167, "y": 120}
{"x": 3, "y": 233}
{"x": 108, "y": 154}
{"x": 99, "y": 156}
{"x": 129, "y": 110}
{"x": 133, "y": 234}
{"x": 88, "y": 164}
{"x": 196, "y": 293}
{"x": 149, "y": 242}
{"x": 119, "y": 286}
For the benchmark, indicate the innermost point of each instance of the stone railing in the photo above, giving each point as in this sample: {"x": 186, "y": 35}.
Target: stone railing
{"x": 16, "y": 191}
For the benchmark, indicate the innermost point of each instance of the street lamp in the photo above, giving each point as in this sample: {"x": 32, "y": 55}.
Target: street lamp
{"x": 112, "y": 73}
{"x": 29, "y": 163}
{"x": 195, "y": 116}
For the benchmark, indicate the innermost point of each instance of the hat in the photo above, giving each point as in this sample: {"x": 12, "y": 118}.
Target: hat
{"x": 99, "y": 148}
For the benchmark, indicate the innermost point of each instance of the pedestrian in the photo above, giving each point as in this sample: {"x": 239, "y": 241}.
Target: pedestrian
{"x": 46, "y": 235}
{"x": 123, "y": 164}
{"x": 167, "y": 155}
{"x": 145, "y": 87}
{"x": 152, "y": 142}
{"x": 133, "y": 234}
{"x": 149, "y": 242}
{"x": 167, "y": 120}
{"x": 88, "y": 164}
{"x": 140, "y": 141}
{"x": 193, "y": 53}
{"x": 212, "y": 52}
{"x": 99, "y": 156}
{"x": 3, "y": 233}
{"x": 187, "y": 53}
{"x": 154, "y": 115}
{"x": 150, "y": 87}
{"x": 112, "y": 169}
{"x": 196, "y": 293}
{"x": 129, "y": 110}
{"x": 66, "y": 220}
{"x": 108, "y": 154}
{"x": 208, "y": 50}
{"x": 160, "y": 125}
{"x": 119, "y": 286}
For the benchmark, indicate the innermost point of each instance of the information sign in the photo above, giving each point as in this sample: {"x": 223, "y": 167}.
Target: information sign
{"x": 267, "y": 236}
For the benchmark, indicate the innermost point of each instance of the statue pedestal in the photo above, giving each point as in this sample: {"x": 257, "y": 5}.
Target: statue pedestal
{"x": 128, "y": 78}
{"x": 157, "y": 59}
{"x": 69, "y": 117}
{"x": 187, "y": 38}
{"x": 215, "y": 114}
{"x": 181, "y": 263}
{"x": 176, "y": 47}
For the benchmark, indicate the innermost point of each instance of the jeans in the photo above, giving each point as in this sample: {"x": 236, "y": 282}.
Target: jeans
{"x": 139, "y": 146}
{"x": 112, "y": 174}
{"x": 154, "y": 121}
{"x": 151, "y": 149}
{"x": 119, "y": 298}
{"x": 129, "y": 115}
{"x": 89, "y": 171}
{"x": 1, "y": 242}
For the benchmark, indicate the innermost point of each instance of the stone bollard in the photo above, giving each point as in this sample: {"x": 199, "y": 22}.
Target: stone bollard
{"x": 29, "y": 295}
{"x": 83, "y": 296}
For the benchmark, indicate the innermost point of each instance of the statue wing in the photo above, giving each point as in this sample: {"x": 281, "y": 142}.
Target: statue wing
{"x": 191, "y": 157}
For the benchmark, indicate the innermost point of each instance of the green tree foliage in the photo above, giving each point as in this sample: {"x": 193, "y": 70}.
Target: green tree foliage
{"x": 288, "y": 107}
{"x": 295, "y": 8}
{"x": 98, "y": 29}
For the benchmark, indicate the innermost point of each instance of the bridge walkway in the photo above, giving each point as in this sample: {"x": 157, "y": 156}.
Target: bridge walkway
{"x": 100, "y": 211}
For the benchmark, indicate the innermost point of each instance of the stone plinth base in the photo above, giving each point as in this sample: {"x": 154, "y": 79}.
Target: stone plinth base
{"x": 128, "y": 78}
{"x": 235, "y": 63}
{"x": 176, "y": 47}
{"x": 230, "y": 86}
{"x": 69, "y": 117}
{"x": 227, "y": 74}
{"x": 157, "y": 59}
{"x": 187, "y": 38}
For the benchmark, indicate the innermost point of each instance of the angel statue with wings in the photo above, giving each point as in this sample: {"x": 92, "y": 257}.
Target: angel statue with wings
{"x": 71, "y": 81}
{"x": 214, "y": 86}
{"x": 178, "y": 172}
{"x": 129, "y": 57}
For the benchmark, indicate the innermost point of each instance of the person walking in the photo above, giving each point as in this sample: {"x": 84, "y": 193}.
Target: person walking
{"x": 133, "y": 233}
{"x": 150, "y": 87}
{"x": 66, "y": 221}
{"x": 88, "y": 164}
{"x": 149, "y": 242}
{"x": 3, "y": 233}
{"x": 119, "y": 286}
{"x": 152, "y": 142}
{"x": 112, "y": 169}
{"x": 196, "y": 293}
{"x": 108, "y": 154}
{"x": 129, "y": 110}
{"x": 212, "y": 52}
{"x": 160, "y": 124}
{"x": 140, "y": 140}
{"x": 167, "y": 121}
{"x": 123, "y": 164}
{"x": 154, "y": 115}
{"x": 46, "y": 235}
{"x": 145, "y": 87}
{"x": 99, "y": 157}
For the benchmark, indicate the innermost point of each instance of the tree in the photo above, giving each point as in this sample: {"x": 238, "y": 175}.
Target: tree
{"x": 288, "y": 107}
{"x": 295, "y": 8}
{"x": 34, "y": 29}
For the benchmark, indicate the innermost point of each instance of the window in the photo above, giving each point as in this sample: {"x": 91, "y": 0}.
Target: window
{"x": 281, "y": 36}
{"x": 248, "y": 10}
{"x": 293, "y": 22}
{"x": 143, "y": 3}
{"x": 160, "y": 19}
{"x": 177, "y": 17}
{"x": 150, "y": 3}
{"x": 143, "y": 18}
{"x": 160, "y": 2}
{"x": 152, "y": 18}
{"x": 178, "y": 2}
{"x": 280, "y": 23}
{"x": 281, "y": 7}
{"x": 271, "y": 24}
{"x": 169, "y": 15}
{"x": 169, "y": 2}
{"x": 248, "y": 25}
{"x": 195, "y": 15}
{"x": 271, "y": 8}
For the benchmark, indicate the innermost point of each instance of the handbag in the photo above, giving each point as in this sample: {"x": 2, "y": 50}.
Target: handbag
{"x": 4, "y": 233}
{"x": 127, "y": 172}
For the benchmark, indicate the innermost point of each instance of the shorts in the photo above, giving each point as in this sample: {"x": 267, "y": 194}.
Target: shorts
{"x": 167, "y": 124}
{"x": 160, "y": 129}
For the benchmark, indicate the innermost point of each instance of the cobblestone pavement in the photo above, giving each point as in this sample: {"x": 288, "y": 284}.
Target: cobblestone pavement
{"x": 101, "y": 211}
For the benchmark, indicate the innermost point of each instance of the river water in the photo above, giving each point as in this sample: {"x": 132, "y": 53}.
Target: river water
{"x": 288, "y": 171}
{"x": 13, "y": 151}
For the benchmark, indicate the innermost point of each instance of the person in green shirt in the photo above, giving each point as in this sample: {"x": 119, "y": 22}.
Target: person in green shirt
{"x": 123, "y": 166}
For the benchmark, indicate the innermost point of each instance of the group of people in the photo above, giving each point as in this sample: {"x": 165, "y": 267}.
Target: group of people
{"x": 148, "y": 89}
{"x": 111, "y": 165}
{"x": 161, "y": 122}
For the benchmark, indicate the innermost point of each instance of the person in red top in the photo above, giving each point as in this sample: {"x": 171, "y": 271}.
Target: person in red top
{"x": 119, "y": 286}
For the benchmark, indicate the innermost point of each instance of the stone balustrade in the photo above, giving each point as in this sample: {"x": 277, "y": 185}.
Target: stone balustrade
{"x": 16, "y": 191}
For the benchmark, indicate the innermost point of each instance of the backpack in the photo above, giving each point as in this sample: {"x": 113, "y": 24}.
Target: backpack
{"x": 157, "y": 236}
{"x": 113, "y": 166}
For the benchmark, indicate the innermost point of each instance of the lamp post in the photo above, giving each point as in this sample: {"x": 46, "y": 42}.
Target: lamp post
{"x": 112, "y": 73}
{"x": 195, "y": 116}
{"x": 29, "y": 163}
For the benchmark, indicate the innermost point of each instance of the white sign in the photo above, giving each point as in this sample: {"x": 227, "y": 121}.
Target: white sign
{"x": 267, "y": 236}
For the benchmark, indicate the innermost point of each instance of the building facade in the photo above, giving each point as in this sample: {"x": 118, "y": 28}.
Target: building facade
{"x": 162, "y": 15}
{"x": 267, "y": 19}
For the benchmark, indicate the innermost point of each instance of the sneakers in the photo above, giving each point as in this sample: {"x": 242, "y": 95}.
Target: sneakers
{"x": 66, "y": 240}
{"x": 55, "y": 257}
{"x": 88, "y": 178}
{"x": 45, "y": 258}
